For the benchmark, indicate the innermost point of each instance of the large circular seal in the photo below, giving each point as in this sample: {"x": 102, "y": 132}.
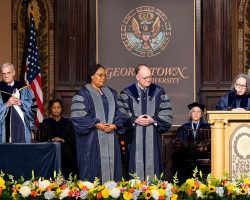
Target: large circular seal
{"x": 146, "y": 31}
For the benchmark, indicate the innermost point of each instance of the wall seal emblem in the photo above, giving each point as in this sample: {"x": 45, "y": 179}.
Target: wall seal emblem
{"x": 145, "y": 31}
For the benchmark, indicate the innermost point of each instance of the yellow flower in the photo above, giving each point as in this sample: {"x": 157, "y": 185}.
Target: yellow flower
{"x": 105, "y": 193}
{"x": 230, "y": 187}
{"x": 91, "y": 190}
{"x": 202, "y": 187}
{"x": 127, "y": 195}
{"x": 148, "y": 194}
{"x": 2, "y": 183}
{"x": 246, "y": 181}
{"x": 211, "y": 188}
{"x": 153, "y": 187}
{"x": 100, "y": 187}
{"x": 80, "y": 184}
{"x": 162, "y": 192}
{"x": 39, "y": 191}
{"x": 243, "y": 191}
{"x": 74, "y": 188}
{"x": 174, "y": 197}
{"x": 138, "y": 185}
{"x": 58, "y": 190}
{"x": 18, "y": 186}
{"x": 190, "y": 182}
{"x": 53, "y": 185}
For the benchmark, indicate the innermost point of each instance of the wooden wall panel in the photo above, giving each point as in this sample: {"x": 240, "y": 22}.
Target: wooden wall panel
{"x": 74, "y": 46}
{"x": 216, "y": 53}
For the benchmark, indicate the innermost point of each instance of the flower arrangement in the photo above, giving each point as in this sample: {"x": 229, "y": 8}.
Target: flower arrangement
{"x": 59, "y": 188}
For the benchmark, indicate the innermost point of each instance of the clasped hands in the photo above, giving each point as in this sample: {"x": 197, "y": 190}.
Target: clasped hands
{"x": 13, "y": 101}
{"x": 58, "y": 139}
{"x": 106, "y": 128}
{"x": 144, "y": 120}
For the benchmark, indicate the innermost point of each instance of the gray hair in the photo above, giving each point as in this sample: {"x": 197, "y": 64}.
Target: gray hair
{"x": 5, "y": 65}
{"x": 203, "y": 116}
{"x": 190, "y": 113}
{"x": 247, "y": 80}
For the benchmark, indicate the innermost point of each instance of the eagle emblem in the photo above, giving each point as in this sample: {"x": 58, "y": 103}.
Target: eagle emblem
{"x": 146, "y": 31}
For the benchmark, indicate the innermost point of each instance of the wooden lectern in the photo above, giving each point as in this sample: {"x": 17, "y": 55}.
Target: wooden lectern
{"x": 230, "y": 142}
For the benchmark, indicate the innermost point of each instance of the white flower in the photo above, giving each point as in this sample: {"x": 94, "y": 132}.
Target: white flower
{"x": 26, "y": 183}
{"x": 64, "y": 193}
{"x": 199, "y": 194}
{"x": 110, "y": 185}
{"x": 136, "y": 193}
{"x": 155, "y": 194}
{"x": 43, "y": 184}
{"x": 84, "y": 194}
{"x": 88, "y": 184}
{"x": 169, "y": 193}
{"x": 49, "y": 195}
{"x": 25, "y": 191}
{"x": 133, "y": 182}
{"x": 220, "y": 191}
{"x": 115, "y": 193}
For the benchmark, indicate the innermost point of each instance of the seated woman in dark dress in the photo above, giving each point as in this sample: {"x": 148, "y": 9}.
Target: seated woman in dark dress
{"x": 238, "y": 99}
{"x": 192, "y": 142}
{"x": 60, "y": 129}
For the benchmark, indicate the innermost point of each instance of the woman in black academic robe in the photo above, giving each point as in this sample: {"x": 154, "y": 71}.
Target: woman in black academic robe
{"x": 192, "y": 142}
{"x": 239, "y": 97}
{"x": 60, "y": 129}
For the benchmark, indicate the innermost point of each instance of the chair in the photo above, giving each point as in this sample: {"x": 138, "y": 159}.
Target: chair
{"x": 201, "y": 148}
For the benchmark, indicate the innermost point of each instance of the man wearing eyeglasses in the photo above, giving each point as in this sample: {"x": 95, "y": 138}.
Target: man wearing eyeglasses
{"x": 150, "y": 114}
{"x": 238, "y": 98}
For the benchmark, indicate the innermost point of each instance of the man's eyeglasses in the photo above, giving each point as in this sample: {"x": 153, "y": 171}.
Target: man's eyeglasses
{"x": 101, "y": 75}
{"x": 147, "y": 78}
{"x": 241, "y": 86}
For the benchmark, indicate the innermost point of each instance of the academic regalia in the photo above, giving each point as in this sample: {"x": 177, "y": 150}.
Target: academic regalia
{"x": 64, "y": 129}
{"x": 144, "y": 143}
{"x": 16, "y": 122}
{"x": 189, "y": 145}
{"x": 232, "y": 100}
{"x": 98, "y": 153}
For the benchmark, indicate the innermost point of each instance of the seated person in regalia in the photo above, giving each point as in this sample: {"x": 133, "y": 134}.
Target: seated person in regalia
{"x": 192, "y": 142}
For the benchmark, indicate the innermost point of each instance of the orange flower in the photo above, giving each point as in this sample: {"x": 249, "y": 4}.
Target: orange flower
{"x": 131, "y": 190}
{"x": 70, "y": 193}
{"x": 36, "y": 183}
{"x": 1, "y": 190}
{"x": 225, "y": 182}
{"x": 163, "y": 185}
{"x": 85, "y": 188}
{"x": 174, "y": 189}
{"x": 48, "y": 188}
{"x": 63, "y": 187}
{"x": 33, "y": 194}
{"x": 161, "y": 197}
{"x": 99, "y": 195}
{"x": 144, "y": 183}
{"x": 196, "y": 184}
{"x": 190, "y": 191}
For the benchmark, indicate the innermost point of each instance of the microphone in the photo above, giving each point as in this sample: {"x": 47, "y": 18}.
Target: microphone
{"x": 231, "y": 105}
